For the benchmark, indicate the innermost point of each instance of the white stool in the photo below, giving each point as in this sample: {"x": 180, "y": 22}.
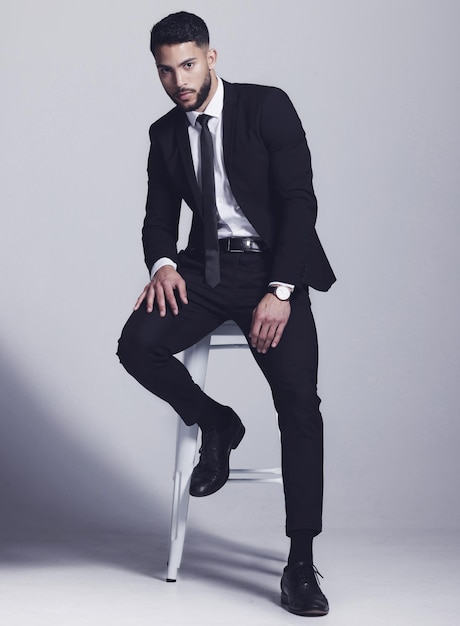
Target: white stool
{"x": 196, "y": 361}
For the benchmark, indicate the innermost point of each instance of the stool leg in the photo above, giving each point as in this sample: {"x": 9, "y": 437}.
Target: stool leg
{"x": 196, "y": 361}
{"x": 185, "y": 456}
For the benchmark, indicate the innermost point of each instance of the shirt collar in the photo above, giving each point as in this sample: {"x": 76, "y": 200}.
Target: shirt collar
{"x": 214, "y": 108}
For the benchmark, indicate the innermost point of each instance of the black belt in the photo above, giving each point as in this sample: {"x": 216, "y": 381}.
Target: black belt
{"x": 242, "y": 244}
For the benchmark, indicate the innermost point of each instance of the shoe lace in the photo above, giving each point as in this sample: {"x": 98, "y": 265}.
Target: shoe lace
{"x": 204, "y": 461}
{"x": 317, "y": 574}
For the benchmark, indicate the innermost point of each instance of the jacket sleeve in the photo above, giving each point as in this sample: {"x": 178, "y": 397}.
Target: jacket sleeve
{"x": 291, "y": 182}
{"x": 161, "y": 223}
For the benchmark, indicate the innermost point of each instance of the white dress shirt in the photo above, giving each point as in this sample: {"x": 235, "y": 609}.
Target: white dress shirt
{"x": 231, "y": 222}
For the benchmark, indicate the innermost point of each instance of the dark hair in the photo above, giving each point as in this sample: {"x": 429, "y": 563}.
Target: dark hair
{"x": 179, "y": 28}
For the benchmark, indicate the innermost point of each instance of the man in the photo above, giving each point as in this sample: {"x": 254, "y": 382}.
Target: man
{"x": 237, "y": 155}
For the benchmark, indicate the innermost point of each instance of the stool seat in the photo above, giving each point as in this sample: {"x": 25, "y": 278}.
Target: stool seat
{"x": 196, "y": 361}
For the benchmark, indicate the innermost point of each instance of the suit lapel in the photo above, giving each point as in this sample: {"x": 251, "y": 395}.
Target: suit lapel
{"x": 229, "y": 121}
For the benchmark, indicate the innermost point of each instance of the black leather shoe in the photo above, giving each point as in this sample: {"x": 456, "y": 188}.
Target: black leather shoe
{"x": 300, "y": 592}
{"x": 213, "y": 469}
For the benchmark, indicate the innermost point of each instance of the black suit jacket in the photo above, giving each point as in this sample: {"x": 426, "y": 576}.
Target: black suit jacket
{"x": 268, "y": 165}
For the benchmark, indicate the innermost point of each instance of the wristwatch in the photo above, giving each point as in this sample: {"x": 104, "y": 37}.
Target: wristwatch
{"x": 280, "y": 291}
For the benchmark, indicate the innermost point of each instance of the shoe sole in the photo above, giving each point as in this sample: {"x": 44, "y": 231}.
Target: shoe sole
{"x": 311, "y": 613}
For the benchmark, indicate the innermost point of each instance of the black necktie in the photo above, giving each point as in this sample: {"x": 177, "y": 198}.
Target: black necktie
{"x": 208, "y": 192}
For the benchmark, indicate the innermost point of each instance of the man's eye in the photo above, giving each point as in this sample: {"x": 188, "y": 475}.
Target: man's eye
{"x": 189, "y": 65}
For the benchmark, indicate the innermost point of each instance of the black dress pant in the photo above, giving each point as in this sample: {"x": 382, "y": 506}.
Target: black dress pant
{"x": 148, "y": 344}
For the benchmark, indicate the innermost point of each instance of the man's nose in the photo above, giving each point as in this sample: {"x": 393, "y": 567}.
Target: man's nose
{"x": 180, "y": 78}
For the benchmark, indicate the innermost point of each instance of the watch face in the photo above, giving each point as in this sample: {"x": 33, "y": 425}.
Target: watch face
{"x": 283, "y": 293}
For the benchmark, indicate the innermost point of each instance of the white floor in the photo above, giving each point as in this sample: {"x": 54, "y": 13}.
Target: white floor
{"x": 371, "y": 578}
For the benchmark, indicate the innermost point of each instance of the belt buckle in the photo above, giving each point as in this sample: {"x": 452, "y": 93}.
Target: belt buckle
{"x": 246, "y": 244}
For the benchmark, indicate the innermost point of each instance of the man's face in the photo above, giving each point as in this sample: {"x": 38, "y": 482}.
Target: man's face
{"x": 185, "y": 73}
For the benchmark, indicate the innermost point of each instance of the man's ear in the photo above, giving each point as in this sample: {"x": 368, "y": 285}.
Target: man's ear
{"x": 211, "y": 57}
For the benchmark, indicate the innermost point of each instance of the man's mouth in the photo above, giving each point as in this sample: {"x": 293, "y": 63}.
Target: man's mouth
{"x": 182, "y": 95}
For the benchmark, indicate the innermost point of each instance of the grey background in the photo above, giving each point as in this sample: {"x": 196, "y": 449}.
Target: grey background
{"x": 376, "y": 85}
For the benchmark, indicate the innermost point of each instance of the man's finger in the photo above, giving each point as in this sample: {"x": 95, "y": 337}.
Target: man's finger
{"x": 140, "y": 299}
{"x": 265, "y": 339}
{"x": 160, "y": 300}
{"x": 150, "y": 298}
{"x": 171, "y": 299}
{"x": 278, "y": 335}
{"x": 254, "y": 332}
{"x": 182, "y": 291}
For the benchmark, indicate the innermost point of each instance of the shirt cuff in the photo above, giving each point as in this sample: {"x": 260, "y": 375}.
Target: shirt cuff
{"x": 161, "y": 263}
{"x": 277, "y": 283}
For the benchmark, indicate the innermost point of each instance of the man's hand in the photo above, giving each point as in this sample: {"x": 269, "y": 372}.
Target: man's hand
{"x": 269, "y": 320}
{"x": 162, "y": 290}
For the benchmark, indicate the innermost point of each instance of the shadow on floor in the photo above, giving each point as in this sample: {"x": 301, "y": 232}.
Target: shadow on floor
{"x": 62, "y": 506}
{"x": 207, "y": 558}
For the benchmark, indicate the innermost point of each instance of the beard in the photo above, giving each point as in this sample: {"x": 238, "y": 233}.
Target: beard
{"x": 201, "y": 95}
